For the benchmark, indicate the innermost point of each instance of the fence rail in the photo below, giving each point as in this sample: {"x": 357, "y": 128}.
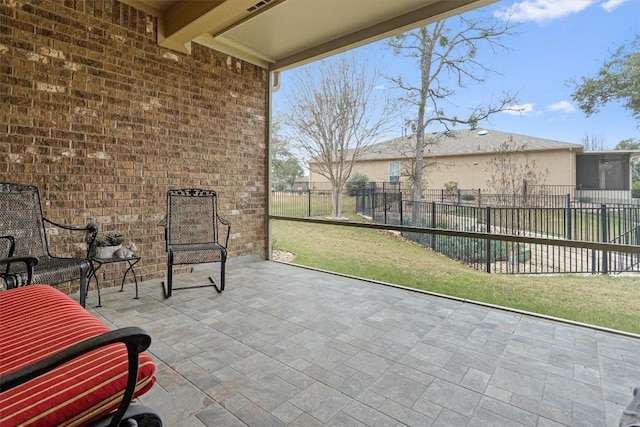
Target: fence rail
{"x": 564, "y": 256}
{"x": 555, "y": 218}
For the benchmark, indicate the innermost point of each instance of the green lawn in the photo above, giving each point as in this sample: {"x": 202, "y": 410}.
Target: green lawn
{"x": 607, "y": 301}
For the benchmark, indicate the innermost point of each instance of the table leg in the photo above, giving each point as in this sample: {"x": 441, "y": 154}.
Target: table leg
{"x": 131, "y": 263}
{"x": 94, "y": 274}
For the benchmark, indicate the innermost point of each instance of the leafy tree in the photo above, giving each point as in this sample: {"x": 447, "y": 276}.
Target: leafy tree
{"x": 335, "y": 116}
{"x": 632, "y": 144}
{"x": 628, "y": 144}
{"x": 445, "y": 50}
{"x": 618, "y": 79}
{"x": 285, "y": 167}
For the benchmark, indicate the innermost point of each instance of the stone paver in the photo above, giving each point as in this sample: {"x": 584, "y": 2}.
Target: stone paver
{"x": 288, "y": 346}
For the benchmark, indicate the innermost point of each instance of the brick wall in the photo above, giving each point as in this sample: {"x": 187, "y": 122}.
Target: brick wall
{"x": 104, "y": 121}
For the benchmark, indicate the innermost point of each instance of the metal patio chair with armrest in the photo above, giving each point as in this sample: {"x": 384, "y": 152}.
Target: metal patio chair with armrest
{"x": 23, "y": 228}
{"x": 192, "y": 233}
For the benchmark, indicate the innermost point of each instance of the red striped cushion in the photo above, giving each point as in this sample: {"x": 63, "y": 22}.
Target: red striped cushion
{"x": 37, "y": 321}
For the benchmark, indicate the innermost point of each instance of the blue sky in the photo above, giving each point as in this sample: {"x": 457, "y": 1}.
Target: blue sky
{"x": 557, "y": 40}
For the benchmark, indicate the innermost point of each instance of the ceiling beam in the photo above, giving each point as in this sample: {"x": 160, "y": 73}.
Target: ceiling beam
{"x": 189, "y": 19}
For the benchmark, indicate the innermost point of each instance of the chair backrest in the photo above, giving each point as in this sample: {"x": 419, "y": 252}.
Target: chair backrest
{"x": 21, "y": 217}
{"x": 191, "y": 217}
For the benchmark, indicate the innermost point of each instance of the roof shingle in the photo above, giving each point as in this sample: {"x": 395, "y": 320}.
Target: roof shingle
{"x": 461, "y": 142}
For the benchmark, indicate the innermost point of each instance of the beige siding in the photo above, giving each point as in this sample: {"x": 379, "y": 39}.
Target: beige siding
{"x": 471, "y": 172}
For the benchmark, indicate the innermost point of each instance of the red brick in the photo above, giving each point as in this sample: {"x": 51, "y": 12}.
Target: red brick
{"x": 104, "y": 122}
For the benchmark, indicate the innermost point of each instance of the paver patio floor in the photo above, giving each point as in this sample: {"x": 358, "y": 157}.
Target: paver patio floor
{"x": 288, "y": 346}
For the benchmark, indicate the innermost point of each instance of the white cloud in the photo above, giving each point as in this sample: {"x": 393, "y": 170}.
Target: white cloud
{"x": 520, "y": 110}
{"x": 562, "y": 106}
{"x": 609, "y": 5}
{"x": 542, "y": 11}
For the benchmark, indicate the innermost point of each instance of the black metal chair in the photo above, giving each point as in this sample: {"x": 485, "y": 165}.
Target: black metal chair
{"x": 192, "y": 233}
{"x": 23, "y": 233}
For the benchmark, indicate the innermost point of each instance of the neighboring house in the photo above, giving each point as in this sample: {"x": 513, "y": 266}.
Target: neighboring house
{"x": 301, "y": 183}
{"x": 464, "y": 156}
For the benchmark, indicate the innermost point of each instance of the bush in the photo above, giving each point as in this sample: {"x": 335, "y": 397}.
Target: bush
{"x": 466, "y": 249}
{"x": 355, "y": 181}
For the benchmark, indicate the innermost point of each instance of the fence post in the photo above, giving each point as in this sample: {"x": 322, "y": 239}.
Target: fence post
{"x": 433, "y": 225}
{"x": 488, "y": 240}
{"x": 373, "y": 203}
{"x": 459, "y": 197}
{"x": 384, "y": 205}
{"x": 568, "y": 221}
{"x": 309, "y": 201}
{"x": 401, "y": 216}
{"x": 604, "y": 221}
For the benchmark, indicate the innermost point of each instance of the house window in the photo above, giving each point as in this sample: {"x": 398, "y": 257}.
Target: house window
{"x": 394, "y": 172}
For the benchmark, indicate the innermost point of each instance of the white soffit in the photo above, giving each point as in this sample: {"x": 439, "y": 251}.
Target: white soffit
{"x": 280, "y": 34}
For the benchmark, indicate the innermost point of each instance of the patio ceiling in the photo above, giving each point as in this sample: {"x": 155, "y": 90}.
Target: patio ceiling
{"x": 280, "y": 34}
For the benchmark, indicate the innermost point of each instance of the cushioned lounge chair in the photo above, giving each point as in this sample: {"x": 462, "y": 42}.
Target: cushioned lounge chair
{"x": 63, "y": 366}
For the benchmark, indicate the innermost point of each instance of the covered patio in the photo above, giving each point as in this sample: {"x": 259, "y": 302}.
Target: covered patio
{"x": 109, "y": 104}
{"x": 290, "y": 346}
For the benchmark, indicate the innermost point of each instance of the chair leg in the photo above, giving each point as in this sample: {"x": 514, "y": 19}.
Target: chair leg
{"x": 221, "y": 288}
{"x": 222, "y": 275}
{"x": 168, "y": 285}
{"x": 83, "y": 291}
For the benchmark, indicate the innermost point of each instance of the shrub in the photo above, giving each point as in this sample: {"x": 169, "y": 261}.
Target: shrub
{"x": 355, "y": 181}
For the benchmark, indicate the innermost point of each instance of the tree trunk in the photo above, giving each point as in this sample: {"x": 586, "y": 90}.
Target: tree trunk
{"x": 416, "y": 216}
{"x": 336, "y": 209}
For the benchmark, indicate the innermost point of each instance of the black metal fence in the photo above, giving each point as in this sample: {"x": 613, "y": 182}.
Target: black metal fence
{"x": 539, "y": 214}
{"x": 551, "y": 216}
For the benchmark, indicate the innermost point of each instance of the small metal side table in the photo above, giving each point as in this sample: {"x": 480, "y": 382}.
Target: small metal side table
{"x": 96, "y": 263}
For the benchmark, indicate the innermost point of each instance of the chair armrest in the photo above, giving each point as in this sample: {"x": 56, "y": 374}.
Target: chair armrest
{"x": 135, "y": 339}
{"x": 228, "y": 225}
{"x": 12, "y": 244}
{"x": 29, "y": 261}
{"x": 89, "y": 228}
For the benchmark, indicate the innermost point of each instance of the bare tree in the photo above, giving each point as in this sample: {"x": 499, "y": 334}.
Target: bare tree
{"x": 406, "y": 151}
{"x": 442, "y": 53}
{"x": 285, "y": 167}
{"x": 593, "y": 143}
{"x": 334, "y": 116}
{"x": 511, "y": 170}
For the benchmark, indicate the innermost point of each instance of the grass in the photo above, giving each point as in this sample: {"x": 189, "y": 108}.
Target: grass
{"x": 606, "y": 301}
